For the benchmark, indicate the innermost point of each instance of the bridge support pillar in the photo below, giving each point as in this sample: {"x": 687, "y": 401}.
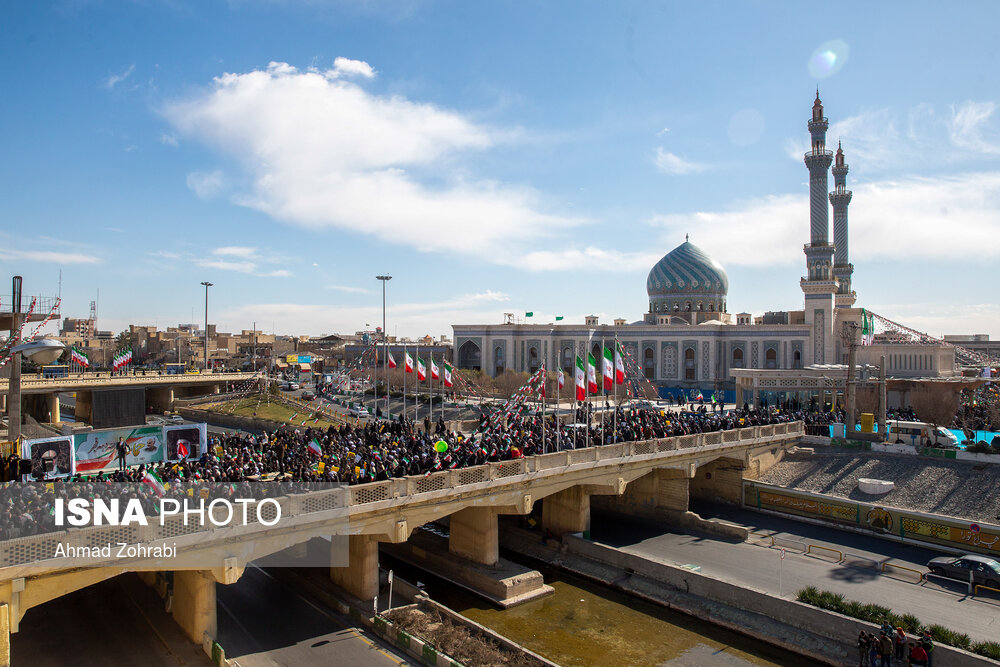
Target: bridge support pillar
{"x": 194, "y": 603}
{"x": 84, "y": 410}
{"x": 360, "y": 577}
{"x": 4, "y": 635}
{"x": 473, "y": 535}
{"x": 567, "y": 511}
{"x": 53, "y": 408}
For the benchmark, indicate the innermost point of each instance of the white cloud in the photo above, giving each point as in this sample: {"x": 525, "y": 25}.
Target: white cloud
{"x": 674, "y": 164}
{"x": 206, "y": 184}
{"x": 905, "y": 219}
{"x": 115, "y": 79}
{"x": 347, "y": 67}
{"x": 235, "y": 251}
{"x": 970, "y": 128}
{"x": 279, "y": 273}
{"x": 594, "y": 259}
{"x": 49, "y": 256}
{"x": 168, "y": 140}
{"x": 323, "y": 153}
{"x": 222, "y": 265}
{"x": 346, "y": 288}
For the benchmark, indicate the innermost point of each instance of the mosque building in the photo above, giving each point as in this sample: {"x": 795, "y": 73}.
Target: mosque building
{"x": 689, "y": 341}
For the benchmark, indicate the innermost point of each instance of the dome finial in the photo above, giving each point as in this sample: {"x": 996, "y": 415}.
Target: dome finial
{"x": 685, "y": 238}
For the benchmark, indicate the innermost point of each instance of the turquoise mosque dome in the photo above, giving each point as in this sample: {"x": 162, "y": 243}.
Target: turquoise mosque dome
{"x": 687, "y": 279}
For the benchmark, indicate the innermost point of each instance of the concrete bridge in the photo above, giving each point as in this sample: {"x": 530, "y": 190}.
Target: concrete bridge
{"x": 652, "y": 477}
{"x": 40, "y": 396}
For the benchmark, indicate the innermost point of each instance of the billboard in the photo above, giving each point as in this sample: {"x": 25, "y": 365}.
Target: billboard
{"x": 192, "y": 437}
{"x": 113, "y": 408}
{"x": 50, "y": 457}
{"x": 292, "y": 358}
{"x": 305, "y": 359}
{"x": 95, "y": 451}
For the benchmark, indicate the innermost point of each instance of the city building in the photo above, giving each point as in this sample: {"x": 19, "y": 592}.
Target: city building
{"x": 688, "y": 340}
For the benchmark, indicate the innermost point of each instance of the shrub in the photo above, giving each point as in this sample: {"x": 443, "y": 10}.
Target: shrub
{"x": 950, "y": 637}
{"x": 910, "y": 623}
{"x": 989, "y": 649}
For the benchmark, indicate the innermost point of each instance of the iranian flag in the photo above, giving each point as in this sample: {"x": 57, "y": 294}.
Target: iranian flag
{"x": 591, "y": 374}
{"x": 447, "y": 374}
{"x": 421, "y": 370}
{"x": 619, "y": 364}
{"x": 407, "y": 362}
{"x": 314, "y": 447}
{"x": 608, "y": 371}
{"x": 562, "y": 379}
{"x": 581, "y": 388}
{"x": 435, "y": 372}
{"x": 153, "y": 481}
{"x": 78, "y": 357}
{"x": 392, "y": 362}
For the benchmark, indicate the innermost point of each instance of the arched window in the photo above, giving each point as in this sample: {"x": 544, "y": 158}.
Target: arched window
{"x": 737, "y": 358}
{"x": 687, "y": 306}
{"x": 596, "y": 351}
{"x": 796, "y": 359}
{"x": 533, "y": 359}
{"x": 701, "y": 306}
{"x": 498, "y": 360}
{"x": 649, "y": 363}
{"x": 677, "y": 308}
{"x": 568, "y": 360}
{"x": 469, "y": 356}
{"x": 711, "y": 307}
{"x": 771, "y": 358}
{"x": 689, "y": 369}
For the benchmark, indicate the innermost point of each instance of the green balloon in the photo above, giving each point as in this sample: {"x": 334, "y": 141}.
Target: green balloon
{"x": 441, "y": 446}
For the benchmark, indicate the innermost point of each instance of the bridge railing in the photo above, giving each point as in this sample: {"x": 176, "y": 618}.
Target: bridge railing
{"x": 38, "y": 548}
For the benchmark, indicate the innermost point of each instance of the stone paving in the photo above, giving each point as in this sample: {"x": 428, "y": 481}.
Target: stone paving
{"x": 954, "y": 488}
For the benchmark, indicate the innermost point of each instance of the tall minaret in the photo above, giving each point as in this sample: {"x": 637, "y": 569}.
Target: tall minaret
{"x": 840, "y": 198}
{"x": 819, "y": 285}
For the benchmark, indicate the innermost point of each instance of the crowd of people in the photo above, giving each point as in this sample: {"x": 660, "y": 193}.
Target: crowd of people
{"x": 891, "y": 646}
{"x": 378, "y": 450}
{"x": 979, "y": 409}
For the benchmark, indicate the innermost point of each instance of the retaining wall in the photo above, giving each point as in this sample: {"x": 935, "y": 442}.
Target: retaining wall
{"x": 811, "y": 619}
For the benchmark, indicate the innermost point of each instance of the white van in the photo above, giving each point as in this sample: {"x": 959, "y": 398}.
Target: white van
{"x": 921, "y": 434}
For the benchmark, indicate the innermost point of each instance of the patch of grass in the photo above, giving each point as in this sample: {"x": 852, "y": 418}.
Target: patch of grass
{"x": 252, "y": 406}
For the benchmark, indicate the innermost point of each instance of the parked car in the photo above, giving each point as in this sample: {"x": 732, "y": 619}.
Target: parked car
{"x": 293, "y": 385}
{"x": 177, "y": 419}
{"x": 308, "y": 395}
{"x": 984, "y": 569}
{"x": 359, "y": 411}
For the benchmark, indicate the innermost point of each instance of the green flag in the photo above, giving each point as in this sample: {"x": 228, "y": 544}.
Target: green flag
{"x": 558, "y": 317}
{"x": 530, "y": 313}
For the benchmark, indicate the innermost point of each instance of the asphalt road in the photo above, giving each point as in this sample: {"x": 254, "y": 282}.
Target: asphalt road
{"x": 120, "y": 622}
{"x": 264, "y": 622}
{"x": 757, "y": 565}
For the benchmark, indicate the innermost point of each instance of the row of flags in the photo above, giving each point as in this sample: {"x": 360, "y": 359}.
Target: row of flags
{"x": 78, "y": 357}
{"x": 122, "y": 358}
{"x": 421, "y": 368}
{"x": 531, "y": 313}
{"x": 613, "y": 370}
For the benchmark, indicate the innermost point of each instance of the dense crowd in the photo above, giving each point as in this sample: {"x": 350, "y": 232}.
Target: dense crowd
{"x": 378, "y": 450}
{"x": 979, "y": 409}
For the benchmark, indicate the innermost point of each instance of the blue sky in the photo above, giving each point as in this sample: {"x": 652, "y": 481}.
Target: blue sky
{"x": 493, "y": 157}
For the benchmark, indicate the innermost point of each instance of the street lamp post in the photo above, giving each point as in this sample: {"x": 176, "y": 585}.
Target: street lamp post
{"x": 385, "y": 346}
{"x": 207, "y": 285}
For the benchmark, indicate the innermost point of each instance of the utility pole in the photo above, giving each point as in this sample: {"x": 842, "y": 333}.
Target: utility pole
{"x": 14, "y": 391}
{"x": 385, "y": 349}
{"x": 883, "y": 426}
{"x": 207, "y": 285}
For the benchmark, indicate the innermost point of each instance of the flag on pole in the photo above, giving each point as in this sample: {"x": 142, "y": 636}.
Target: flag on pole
{"x": 447, "y": 374}
{"x": 153, "y": 481}
{"x": 530, "y": 313}
{"x": 421, "y": 370}
{"x": 591, "y": 374}
{"x": 581, "y": 388}
{"x": 182, "y": 449}
{"x": 408, "y": 362}
{"x": 558, "y": 317}
{"x": 619, "y": 364}
{"x": 608, "y": 370}
{"x": 435, "y": 372}
{"x": 314, "y": 447}
{"x": 562, "y": 379}
{"x": 867, "y": 327}
{"x": 392, "y": 362}
{"x": 78, "y": 357}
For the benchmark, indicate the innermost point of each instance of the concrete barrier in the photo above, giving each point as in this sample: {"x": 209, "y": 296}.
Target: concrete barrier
{"x": 814, "y": 620}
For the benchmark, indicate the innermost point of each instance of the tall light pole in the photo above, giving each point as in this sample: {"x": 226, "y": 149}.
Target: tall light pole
{"x": 385, "y": 346}
{"x": 207, "y": 285}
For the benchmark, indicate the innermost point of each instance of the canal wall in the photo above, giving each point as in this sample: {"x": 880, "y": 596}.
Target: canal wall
{"x": 822, "y": 635}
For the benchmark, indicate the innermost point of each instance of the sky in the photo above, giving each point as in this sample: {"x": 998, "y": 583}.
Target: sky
{"x": 492, "y": 157}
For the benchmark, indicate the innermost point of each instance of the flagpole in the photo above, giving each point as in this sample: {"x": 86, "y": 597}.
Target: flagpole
{"x": 558, "y": 429}
{"x": 615, "y": 357}
{"x": 603, "y": 392}
{"x": 405, "y": 356}
{"x": 430, "y": 384}
{"x": 416, "y": 391}
{"x": 543, "y": 408}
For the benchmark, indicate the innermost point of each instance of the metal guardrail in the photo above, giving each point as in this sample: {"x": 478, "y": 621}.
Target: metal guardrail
{"x": 91, "y": 380}
{"x": 25, "y": 550}
{"x": 920, "y": 575}
{"x": 975, "y": 589}
{"x": 840, "y": 554}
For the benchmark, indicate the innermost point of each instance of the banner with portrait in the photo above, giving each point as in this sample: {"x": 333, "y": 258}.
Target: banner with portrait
{"x": 50, "y": 457}
{"x": 185, "y": 441}
{"x": 96, "y": 450}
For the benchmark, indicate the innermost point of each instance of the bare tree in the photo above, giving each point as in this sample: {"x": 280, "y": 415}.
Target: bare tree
{"x": 935, "y": 402}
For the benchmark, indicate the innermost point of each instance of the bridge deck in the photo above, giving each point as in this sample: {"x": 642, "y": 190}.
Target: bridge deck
{"x": 85, "y": 381}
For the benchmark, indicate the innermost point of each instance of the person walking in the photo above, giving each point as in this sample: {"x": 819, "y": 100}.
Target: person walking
{"x": 884, "y": 649}
{"x": 900, "y": 638}
{"x": 928, "y": 645}
{"x": 122, "y": 450}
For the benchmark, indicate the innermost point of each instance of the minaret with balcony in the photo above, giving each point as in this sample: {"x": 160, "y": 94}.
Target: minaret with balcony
{"x": 819, "y": 286}
{"x": 840, "y": 198}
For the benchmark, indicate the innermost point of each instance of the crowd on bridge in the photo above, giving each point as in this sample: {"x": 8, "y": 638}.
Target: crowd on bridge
{"x": 377, "y": 450}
